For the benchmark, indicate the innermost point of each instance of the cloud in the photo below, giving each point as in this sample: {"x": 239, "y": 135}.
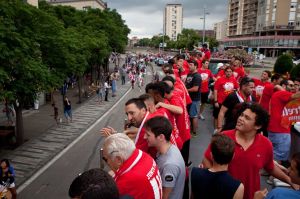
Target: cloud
{"x": 145, "y": 17}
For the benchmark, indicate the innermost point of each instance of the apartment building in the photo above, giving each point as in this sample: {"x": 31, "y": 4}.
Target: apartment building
{"x": 173, "y": 20}
{"x": 268, "y": 26}
{"x": 80, "y": 4}
{"x": 220, "y": 30}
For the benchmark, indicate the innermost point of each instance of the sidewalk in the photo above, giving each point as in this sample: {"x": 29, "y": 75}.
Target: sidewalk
{"x": 45, "y": 139}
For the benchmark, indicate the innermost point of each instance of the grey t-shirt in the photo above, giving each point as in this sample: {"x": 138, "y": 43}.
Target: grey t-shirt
{"x": 172, "y": 170}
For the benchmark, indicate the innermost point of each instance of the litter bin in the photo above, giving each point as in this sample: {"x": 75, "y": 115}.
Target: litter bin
{"x": 36, "y": 104}
{"x": 295, "y": 138}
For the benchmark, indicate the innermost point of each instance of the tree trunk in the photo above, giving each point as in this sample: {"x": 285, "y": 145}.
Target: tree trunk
{"x": 19, "y": 124}
{"x": 79, "y": 89}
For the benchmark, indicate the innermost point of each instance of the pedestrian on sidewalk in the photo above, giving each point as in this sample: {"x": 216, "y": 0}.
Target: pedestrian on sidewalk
{"x": 113, "y": 78}
{"x": 123, "y": 74}
{"x": 100, "y": 92}
{"x": 55, "y": 109}
{"x": 67, "y": 109}
{"x": 10, "y": 113}
{"x": 106, "y": 88}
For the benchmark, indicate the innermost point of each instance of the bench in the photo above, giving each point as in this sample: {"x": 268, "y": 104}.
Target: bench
{"x": 7, "y": 132}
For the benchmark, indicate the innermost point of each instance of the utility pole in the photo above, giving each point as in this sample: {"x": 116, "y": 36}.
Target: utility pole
{"x": 203, "y": 31}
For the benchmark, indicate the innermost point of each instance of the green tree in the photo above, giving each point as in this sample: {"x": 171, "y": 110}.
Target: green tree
{"x": 295, "y": 72}
{"x": 188, "y": 39}
{"x": 283, "y": 64}
{"x": 22, "y": 71}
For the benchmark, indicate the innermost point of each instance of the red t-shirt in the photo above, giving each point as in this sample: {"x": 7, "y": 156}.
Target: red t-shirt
{"x": 182, "y": 120}
{"x": 239, "y": 72}
{"x": 220, "y": 73}
{"x": 176, "y": 70}
{"x": 186, "y": 68}
{"x": 175, "y": 138}
{"x": 180, "y": 85}
{"x": 245, "y": 165}
{"x": 139, "y": 177}
{"x": 259, "y": 88}
{"x": 205, "y": 76}
{"x": 266, "y": 96}
{"x": 206, "y": 54}
{"x": 224, "y": 87}
{"x": 278, "y": 100}
{"x": 199, "y": 61}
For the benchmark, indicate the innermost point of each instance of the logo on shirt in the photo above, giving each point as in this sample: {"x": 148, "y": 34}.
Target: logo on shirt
{"x": 169, "y": 178}
{"x": 204, "y": 76}
{"x": 228, "y": 86}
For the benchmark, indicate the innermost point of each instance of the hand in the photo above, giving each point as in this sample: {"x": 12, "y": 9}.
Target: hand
{"x": 201, "y": 165}
{"x": 107, "y": 131}
{"x": 216, "y": 105}
{"x": 131, "y": 132}
{"x": 219, "y": 130}
{"x": 159, "y": 104}
{"x": 260, "y": 194}
{"x": 295, "y": 186}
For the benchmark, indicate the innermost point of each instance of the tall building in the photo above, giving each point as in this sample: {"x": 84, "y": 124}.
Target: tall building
{"x": 220, "y": 29}
{"x": 270, "y": 27}
{"x": 241, "y": 17}
{"x": 173, "y": 20}
{"x": 33, "y": 2}
{"x": 80, "y": 4}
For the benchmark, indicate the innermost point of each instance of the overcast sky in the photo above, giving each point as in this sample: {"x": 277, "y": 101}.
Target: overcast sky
{"x": 145, "y": 17}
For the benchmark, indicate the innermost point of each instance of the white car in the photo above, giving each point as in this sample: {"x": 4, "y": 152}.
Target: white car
{"x": 296, "y": 62}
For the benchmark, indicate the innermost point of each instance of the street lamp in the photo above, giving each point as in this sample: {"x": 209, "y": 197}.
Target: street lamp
{"x": 203, "y": 32}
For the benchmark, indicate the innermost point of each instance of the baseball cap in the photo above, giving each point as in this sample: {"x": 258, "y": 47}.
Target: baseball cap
{"x": 219, "y": 65}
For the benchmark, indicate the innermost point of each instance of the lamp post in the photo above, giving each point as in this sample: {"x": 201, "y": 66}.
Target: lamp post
{"x": 203, "y": 31}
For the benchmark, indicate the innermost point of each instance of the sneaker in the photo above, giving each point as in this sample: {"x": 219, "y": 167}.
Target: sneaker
{"x": 201, "y": 117}
{"x": 194, "y": 134}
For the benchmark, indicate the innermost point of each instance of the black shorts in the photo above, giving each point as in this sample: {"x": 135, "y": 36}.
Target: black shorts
{"x": 204, "y": 98}
{"x": 216, "y": 111}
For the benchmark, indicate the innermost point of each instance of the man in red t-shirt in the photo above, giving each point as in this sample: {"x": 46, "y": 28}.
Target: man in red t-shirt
{"x": 269, "y": 90}
{"x": 279, "y": 135}
{"x": 253, "y": 151}
{"x": 222, "y": 88}
{"x": 136, "y": 173}
{"x": 206, "y": 76}
{"x": 261, "y": 83}
{"x": 183, "y": 67}
{"x": 238, "y": 69}
{"x": 205, "y": 52}
{"x": 137, "y": 115}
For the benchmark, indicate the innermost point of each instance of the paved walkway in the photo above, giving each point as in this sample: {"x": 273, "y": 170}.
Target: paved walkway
{"x": 45, "y": 139}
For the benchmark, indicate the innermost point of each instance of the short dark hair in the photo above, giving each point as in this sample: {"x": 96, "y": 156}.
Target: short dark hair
{"x": 204, "y": 45}
{"x": 168, "y": 69}
{"x": 6, "y": 162}
{"x": 245, "y": 81}
{"x": 284, "y": 82}
{"x": 296, "y": 158}
{"x": 228, "y": 67}
{"x": 276, "y": 76}
{"x": 157, "y": 87}
{"x": 262, "y": 116}
{"x": 193, "y": 61}
{"x": 222, "y": 148}
{"x": 268, "y": 72}
{"x": 168, "y": 89}
{"x": 145, "y": 97}
{"x": 86, "y": 183}
{"x": 169, "y": 78}
{"x": 138, "y": 102}
{"x": 160, "y": 125}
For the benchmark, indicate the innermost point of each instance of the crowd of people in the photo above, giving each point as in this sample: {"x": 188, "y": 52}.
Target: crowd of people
{"x": 150, "y": 159}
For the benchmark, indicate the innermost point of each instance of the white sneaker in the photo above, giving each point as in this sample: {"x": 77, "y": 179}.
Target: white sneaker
{"x": 201, "y": 117}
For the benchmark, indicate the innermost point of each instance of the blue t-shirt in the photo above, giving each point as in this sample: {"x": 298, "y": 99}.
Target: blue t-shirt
{"x": 283, "y": 193}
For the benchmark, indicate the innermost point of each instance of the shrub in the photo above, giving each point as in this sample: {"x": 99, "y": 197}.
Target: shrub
{"x": 295, "y": 72}
{"x": 283, "y": 64}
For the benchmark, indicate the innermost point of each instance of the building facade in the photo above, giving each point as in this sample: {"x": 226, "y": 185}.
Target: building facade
{"x": 33, "y": 2}
{"x": 268, "y": 26}
{"x": 80, "y": 4}
{"x": 220, "y": 30}
{"x": 173, "y": 20}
